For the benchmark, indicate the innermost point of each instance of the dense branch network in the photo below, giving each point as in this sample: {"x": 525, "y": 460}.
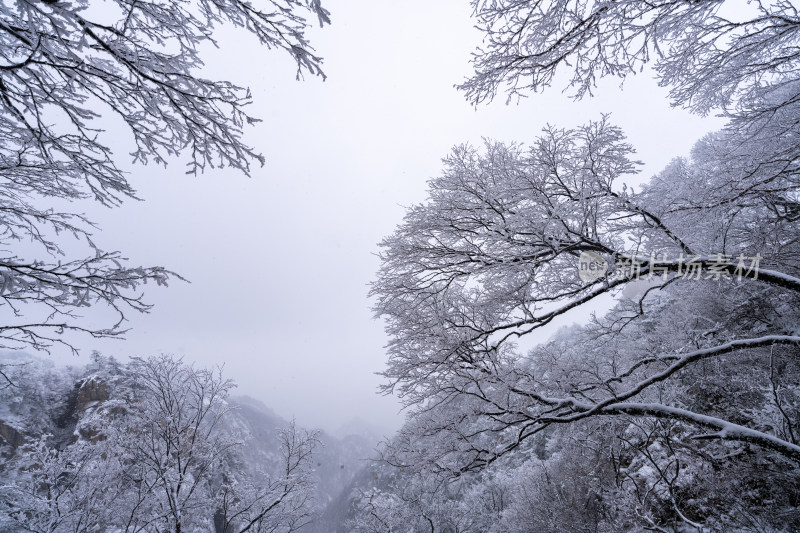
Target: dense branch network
{"x": 68, "y": 72}
{"x": 494, "y": 255}
{"x": 686, "y": 378}
{"x": 710, "y": 54}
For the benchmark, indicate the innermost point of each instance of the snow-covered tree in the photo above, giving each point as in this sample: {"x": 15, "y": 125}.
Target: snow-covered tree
{"x": 494, "y": 256}
{"x": 180, "y": 457}
{"x": 170, "y": 435}
{"x": 158, "y": 455}
{"x": 696, "y": 276}
{"x": 713, "y": 55}
{"x": 47, "y": 490}
{"x": 68, "y": 70}
{"x": 280, "y": 501}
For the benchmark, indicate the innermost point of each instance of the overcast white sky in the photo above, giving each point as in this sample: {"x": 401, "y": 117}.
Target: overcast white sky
{"x": 280, "y": 262}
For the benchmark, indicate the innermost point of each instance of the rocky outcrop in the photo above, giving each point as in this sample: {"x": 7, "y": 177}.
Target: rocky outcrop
{"x": 91, "y": 392}
{"x": 11, "y": 436}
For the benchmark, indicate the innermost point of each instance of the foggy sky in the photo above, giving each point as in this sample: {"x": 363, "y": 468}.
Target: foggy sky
{"x": 280, "y": 262}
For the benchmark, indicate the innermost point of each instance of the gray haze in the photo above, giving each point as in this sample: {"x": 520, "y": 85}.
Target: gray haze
{"x": 280, "y": 262}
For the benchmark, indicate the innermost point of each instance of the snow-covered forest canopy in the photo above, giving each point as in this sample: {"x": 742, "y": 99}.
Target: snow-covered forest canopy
{"x": 675, "y": 407}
